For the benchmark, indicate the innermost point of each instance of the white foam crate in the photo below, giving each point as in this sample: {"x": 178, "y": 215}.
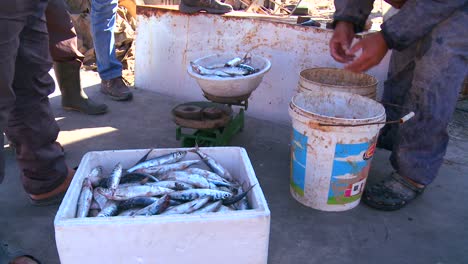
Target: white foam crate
{"x": 224, "y": 237}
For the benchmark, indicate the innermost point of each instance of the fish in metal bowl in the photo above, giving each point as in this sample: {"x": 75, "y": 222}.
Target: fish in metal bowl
{"x": 228, "y": 75}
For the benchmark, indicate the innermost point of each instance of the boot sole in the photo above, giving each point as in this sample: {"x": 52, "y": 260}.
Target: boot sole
{"x": 115, "y": 98}
{"x": 68, "y": 108}
{"x": 195, "y": 9}
{"x": 54, "y": 200}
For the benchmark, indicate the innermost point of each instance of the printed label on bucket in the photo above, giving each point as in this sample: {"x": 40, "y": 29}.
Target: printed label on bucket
{"x": 350, "y": 168}
{"x": 298, "y": 162}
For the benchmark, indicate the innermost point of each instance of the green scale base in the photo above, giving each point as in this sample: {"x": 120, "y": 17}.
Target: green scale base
{"x": 212, "y": 137}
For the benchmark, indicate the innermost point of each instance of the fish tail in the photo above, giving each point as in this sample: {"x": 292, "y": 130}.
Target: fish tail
{"x": 238, "y": 197}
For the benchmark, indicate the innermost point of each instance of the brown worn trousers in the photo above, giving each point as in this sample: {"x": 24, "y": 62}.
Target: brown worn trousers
{"x": 62, "y": 36}
{"x": 25, "y": 113}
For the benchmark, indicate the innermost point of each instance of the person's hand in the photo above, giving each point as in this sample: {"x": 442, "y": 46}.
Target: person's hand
{"x": 341, "y": 41}
{"x": 373, "y": 48}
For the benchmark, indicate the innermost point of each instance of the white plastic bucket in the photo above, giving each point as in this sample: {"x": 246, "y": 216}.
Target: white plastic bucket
{"x": 331, "y": 79}
{"x": 329, "y": 164}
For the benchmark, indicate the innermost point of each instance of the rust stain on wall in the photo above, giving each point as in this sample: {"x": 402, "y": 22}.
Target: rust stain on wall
{"x": 155, "y": 11}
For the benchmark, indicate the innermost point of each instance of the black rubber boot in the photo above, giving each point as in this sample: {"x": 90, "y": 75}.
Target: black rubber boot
{"x": 209, "y": 6}
{"x": 73, "y": 96}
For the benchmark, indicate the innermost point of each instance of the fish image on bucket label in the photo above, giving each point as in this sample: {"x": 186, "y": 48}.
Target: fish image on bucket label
{"x": 351, "y": 166}
{"x": 298, "y": 162}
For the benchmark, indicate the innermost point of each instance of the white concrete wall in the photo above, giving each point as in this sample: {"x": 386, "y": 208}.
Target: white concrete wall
{"x": 167, "y": 41}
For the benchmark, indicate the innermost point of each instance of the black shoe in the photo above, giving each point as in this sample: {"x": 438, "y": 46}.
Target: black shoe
{"x": 392, "y": 193}
{"x": 209, "y": 6}
{"x": 116, "y": 89}
{"x": 15, "y": 256}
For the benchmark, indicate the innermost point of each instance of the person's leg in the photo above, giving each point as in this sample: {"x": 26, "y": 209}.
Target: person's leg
{"x": 13, "y": 16}
{"x": 441, "y": 65}
{"x": 31, "y": 125}
{"x": 396, "y": 89}
{"x": 103, "y": 16}
{"x": 67, "y": 60}
{"x": 438, "y": 71}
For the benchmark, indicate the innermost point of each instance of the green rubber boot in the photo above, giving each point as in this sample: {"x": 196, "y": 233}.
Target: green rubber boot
{"x": 73, "y": 96}
{"x": 209, "y": 6}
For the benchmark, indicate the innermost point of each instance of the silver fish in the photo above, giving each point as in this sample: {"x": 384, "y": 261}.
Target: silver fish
{"x": 214, "y": 165}
{"x": 122, "y": 185}
{"x": 156, "y": 207}
{"x": 249, "y": 68}
{"x": 234, "y": 62}
{"x": 126, "y": 193}
{"x": 110, "y": 209}
{"x": 129, "y": 212}
{"x": 188, "y": 195}
{"x": 212, "y": 207}
{"x": 235, "y": 198}
{"x": 234, "y": 71}
{"x": 99, "y": 198}
{"x": 247, "y": 59}
{"x": 115, "y": 176}
{"x": 204, "y": 71}
{"x": 85, "y": 199}
{"x": 144, "y": 158}
{"x": 221, "y": 184}
{"x": 187, "y": 208}
{"x": 137, "y": 202}
{"x": 175, "y": 185}
{"x": 224, "y": 208}
{"x": 211, "y": 176}
{"x": 164, "y": 159}
{"x": 94, "y": 205}
{"x": 225, "y": 189}
{"x": 95, "y": 176}
{"x": 183, "y": 176}
{"x": 216, "y": 66}
{"x": 93, "y": 212}
{"x": 137, "y": 176}
{"x": 243, "y": 204}
{"x": 161, "y": 169}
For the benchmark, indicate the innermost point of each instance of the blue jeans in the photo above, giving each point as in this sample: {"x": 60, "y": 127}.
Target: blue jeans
{"x": 103, "y": 15}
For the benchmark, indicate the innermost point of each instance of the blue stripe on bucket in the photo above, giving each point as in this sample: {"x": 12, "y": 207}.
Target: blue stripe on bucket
{"x": 298, "y": 162}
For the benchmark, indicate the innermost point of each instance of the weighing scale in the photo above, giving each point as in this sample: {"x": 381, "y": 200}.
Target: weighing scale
{"x": 215, "y": 122}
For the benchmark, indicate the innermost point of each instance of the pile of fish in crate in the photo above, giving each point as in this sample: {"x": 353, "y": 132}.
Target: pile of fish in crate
{"x": 162, "y": 185}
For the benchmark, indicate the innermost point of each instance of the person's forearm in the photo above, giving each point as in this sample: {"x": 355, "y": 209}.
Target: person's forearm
{"x": 417, "y": 18}
{"x": 354, "y": 11}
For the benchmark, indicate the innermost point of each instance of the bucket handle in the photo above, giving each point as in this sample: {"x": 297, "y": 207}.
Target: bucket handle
{"x": 399, "y": 121}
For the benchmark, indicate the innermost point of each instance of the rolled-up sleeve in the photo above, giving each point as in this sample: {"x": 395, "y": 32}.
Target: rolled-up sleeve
{"x": 354, "y": 11}
{"x": 416, "y": 19}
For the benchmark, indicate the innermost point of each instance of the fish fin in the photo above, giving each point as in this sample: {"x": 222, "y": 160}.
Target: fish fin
{"x": 247, "y": 57}
{"x": 194, "y": 149}
{"x": 144, "y": 157}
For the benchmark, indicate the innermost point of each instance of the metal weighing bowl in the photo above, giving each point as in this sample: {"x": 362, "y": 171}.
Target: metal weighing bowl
{"x": 229, "y": 86}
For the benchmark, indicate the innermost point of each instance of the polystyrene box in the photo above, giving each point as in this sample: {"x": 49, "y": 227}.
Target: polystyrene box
{"x": 222, "y": 237}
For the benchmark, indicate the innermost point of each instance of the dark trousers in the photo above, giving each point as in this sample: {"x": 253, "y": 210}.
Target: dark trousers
{"x": 62, "y": 36}
{"x": 25, "y": 113}
{"x": 425, "y": 78}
